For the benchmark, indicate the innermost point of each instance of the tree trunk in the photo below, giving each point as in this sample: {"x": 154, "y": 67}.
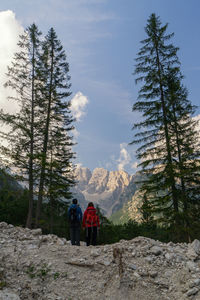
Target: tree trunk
{"x": 45, "y": 144}
{"x": 31, "y": 180}
{"x": 167, "y": 139}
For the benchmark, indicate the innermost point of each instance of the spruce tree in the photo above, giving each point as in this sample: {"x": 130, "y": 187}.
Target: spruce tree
{"x": 158, "y": 66}
{"x": 185, "y": 145}
{"x": 56, "y": 156}
{"x": 39, "y": 140}
{"x": 23, "y": 125}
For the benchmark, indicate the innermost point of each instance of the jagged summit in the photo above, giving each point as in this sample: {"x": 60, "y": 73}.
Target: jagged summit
{"x": 103, "y": 187}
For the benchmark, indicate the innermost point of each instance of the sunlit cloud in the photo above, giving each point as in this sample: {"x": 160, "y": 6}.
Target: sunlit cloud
{"x": 76, "y": 133}
{"x": 78, "y": 105}
{"x": 10, "y": 29}
{"x": 124, "y": 158}
{"x": 134, "y": 165}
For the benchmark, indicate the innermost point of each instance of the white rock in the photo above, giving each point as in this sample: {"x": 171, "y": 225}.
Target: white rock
{"x": 193, "y": 291}
{"x": 133, "y": 253}
{"x": 196, "y": 246}
{"x": 156, "y": 250}
{"x": 37, "y": 231}
{"x": 61, "y": 242}
{"x": 191, "y": 254}
{"x": 106, "y": 263}
{"x": 3, "y": 224}
{"x": 132, "y": 266}
{"x": 169, "y": 256}
{"x": 136, "y": 275}
{"x": 95, "y": 252}
{"x": 149, "y": 259}
{"x": 191, "y": 265}
{"x": 194, "y": 283}
{"x": 153, "y": 274}
{"x": 6, "y": 295}
{"x": 32, "y": 246}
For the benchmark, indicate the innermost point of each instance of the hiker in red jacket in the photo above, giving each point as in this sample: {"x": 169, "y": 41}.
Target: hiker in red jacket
{"x": 90, "y": 224}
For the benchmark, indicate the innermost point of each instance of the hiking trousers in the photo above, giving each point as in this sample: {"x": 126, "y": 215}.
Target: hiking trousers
{"x": 75, "y": 235}
{"x": 91, "y": 236}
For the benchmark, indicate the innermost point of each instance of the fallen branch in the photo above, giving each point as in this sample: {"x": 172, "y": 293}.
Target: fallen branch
{"x": 74, "y": 263}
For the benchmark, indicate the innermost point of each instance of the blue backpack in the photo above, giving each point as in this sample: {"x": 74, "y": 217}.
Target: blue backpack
{"x": 73, "y": 215}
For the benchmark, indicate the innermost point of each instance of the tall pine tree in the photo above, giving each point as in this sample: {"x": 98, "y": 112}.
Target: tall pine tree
{"x": 163, "y": 102}
{"x": 23, "y": 126}
{"x": 56, "y": 156}
{"x": 39, "y": 140}
{"x": 185, "y": 145}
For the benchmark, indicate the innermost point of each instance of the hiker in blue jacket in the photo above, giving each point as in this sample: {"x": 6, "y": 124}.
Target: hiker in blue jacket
{"x": 75, "y": 218}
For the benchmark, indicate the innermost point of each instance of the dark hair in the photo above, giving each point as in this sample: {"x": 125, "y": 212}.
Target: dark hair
{"x": 90, "y": 204}
{"x": 74, "y": 201}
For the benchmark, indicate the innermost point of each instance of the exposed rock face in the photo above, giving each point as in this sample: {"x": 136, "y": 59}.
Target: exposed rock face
{"x": 107, "y": 189}
{"x": 35, "y": 266}
{"x": 98, "y": 181}
{"x": 83, "y": 176}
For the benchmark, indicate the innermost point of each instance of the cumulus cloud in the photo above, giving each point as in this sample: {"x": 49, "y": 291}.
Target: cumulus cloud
{"x": 125, "y": 161}
{"x": 78, "y": 105}
{"x": 10, "y": 29}
{"x": 134, "y": 165}
{"x": 124, "y": 158}
{"x": 76, "y": 133}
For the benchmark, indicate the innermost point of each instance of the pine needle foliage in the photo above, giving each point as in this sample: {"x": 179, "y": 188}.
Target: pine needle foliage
{"x": 166, "y": 133}
{"x": 56, "y": 156}
{"x": 38, "y": 143}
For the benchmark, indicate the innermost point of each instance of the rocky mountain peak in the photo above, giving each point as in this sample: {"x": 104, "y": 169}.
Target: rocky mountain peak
{"x": 98, "y": 181}
{"x": 103, "y": 187}
{"x": 118, "y": 179}
{"x": 83, "y": 176}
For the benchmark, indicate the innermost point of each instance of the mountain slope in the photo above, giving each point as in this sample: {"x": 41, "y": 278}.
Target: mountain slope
{"x": 109, "y": 190}
{"x": 8, "y": 182}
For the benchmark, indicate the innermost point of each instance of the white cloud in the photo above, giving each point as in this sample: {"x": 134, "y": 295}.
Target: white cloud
{"x": 76, "y": 133}
{"x": 124, "y": 158}
{"x": 10, "y": 29}
{"x": 134, "y": 165}
{"x": 78, "y": 105}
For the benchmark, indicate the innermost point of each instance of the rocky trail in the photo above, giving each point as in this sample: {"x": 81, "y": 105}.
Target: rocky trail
{"x": 45, "y": 267}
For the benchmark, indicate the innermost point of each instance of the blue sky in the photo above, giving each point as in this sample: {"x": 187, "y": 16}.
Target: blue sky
{"x": 101, "y": 39}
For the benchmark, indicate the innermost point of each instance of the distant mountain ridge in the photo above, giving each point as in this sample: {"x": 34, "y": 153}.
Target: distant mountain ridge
{"x": 109, "y": 189}
{"x": 7, "y": 181}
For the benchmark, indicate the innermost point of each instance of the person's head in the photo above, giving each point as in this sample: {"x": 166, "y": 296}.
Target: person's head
{"x": 74, "y": 201}
{"x": 90, "y": 204}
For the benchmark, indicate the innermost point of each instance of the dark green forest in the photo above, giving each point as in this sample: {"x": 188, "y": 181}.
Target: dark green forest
{"x": 38, "y": 148}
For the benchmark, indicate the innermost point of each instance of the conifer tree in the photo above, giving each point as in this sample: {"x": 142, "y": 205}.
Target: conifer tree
{"x": 163, "y": 102}
{"x": 56, "y": 156}
{"x": 23, "y": 125}
{"x": 39, "y": 139}
{"x": 185, "y": 145}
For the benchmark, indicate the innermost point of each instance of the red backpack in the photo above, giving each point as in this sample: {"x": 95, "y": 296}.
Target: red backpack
{"x": 91, "y": 218}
